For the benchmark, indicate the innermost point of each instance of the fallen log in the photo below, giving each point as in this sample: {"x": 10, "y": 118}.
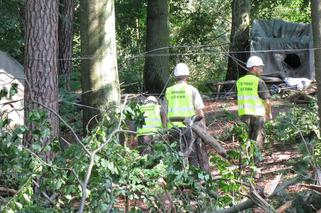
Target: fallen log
{"x": 208, "y": 139}
{"x": 4, "y": 190}
{"x": 249, "y": 203}
{"x": 259, "y": 201}
{"x": 290, "y": 182}
{"x": 238, "y": 207}
{"x": 316, "y": 188}
{"x": 284, "y": 207}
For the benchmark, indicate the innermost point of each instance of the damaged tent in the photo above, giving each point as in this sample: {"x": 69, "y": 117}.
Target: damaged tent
{"x": 11, "y": 72}
{"x": 286, "y": 48}
{"x": 287, "y": 52}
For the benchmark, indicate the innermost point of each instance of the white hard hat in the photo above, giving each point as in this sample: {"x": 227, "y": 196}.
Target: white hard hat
{"x": 151, "y": 98}
{"x": 181, "y": 69}
{"x": 254, "y": 61}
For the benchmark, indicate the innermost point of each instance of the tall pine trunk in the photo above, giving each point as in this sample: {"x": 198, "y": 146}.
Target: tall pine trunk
{"x": 41, "y": 48}
{"x": 239, "y": 39}
{"x": 65, "y": 40}
{"x": 99, "y": 74}
{"x": 157, "y": 42}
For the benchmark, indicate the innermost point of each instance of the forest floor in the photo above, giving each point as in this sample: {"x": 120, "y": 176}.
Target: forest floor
{"x": 278, "y": 158}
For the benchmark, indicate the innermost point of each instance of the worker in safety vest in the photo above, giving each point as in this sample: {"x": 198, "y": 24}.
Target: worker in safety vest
{"x": 253, "y": 100}
{"x": 184, "y": 100}
{"x": 153, "y": 123}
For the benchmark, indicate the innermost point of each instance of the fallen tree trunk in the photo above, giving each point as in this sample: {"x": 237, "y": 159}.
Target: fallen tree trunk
{"x": 284, "y": 207}
{"x": 4, "y": 190}
{"x": 316, "y": 188}
{"x": 237, "y": 208}
{"x": 208, "y": 139}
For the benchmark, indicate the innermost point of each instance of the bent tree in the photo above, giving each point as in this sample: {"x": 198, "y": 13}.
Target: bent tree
{"x": 99, "y": 74}
{"x": 41, "y": 48}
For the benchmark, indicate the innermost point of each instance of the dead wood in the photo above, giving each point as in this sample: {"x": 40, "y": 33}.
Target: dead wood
{"x": 249, "y": 203}
{"x": 302, "y": 97}
{"x": 239, "y": 207}
{"x": 259, "y": 201}
{"x": 313, "y": 187}
{"x": 208, "y": 139}
{"x": 288, "y": 183}
{"x": 4, "y": 190}
{"x": 270, "y": 187}
{"x": 276, "y": 170}
{"x": 284, "y": 207}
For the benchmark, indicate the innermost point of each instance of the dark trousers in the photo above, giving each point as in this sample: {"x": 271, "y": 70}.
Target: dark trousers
{"x": 256, "y": 129}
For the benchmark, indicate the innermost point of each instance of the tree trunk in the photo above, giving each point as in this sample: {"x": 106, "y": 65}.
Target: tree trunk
{"x": 316, "y": 28}
{"x": 41, "y": 48}
{"x": 65, "y": 40}
{"x": 99, "y": 74}
{"x": 239, "y": 39}
{"x": 156, "y": 60}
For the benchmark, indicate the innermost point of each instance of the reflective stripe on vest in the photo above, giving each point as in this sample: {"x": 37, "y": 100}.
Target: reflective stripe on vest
{"x": 152, "y": 119}
{"x": 248, "y": 100}
{"x": 179, "y": 103}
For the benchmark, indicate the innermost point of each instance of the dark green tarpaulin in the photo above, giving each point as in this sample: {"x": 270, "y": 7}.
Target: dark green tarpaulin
{"x": 285, "y": 48}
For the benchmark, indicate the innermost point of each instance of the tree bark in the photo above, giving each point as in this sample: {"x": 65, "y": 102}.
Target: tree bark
{"x": 157, "y": 42}
{"x": 41, "y": 48}
{"x": 99, "y": 74}
{"x": 208, "y": 139}
{"x": 316, "y": 28}
{"x": 65, "y": 40}
{"x": 239, "y": 39}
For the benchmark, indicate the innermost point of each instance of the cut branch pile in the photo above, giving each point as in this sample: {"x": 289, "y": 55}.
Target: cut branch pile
{"x": 258, "y": 199}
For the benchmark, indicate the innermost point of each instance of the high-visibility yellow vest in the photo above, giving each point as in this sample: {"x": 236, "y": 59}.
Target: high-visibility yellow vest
{"x": 179, "y": 103}
{"x": 248, "y": 100}
{"x": 152, "y": 119}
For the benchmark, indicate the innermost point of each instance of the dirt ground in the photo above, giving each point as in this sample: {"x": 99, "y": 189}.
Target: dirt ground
{"x": 275, "y": 155}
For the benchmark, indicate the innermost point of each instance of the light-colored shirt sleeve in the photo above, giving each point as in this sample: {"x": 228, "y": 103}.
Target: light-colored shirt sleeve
{"x": 197, "y": 99}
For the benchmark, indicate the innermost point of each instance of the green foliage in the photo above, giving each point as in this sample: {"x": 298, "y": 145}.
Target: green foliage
{"x": 298, "y": 125}
{"x": 204, "y": 54}
{"x": 69, "y": 109}
{"x": 119, "y": 173}
{"x": 131, "y": 31}
{"x": 289, "y": 10}
{"x": 317, "y": 152}
{"x": 249, "y": 152}
{"x": 4, "y": 93}
{"x": 290, "y": 126}
{"x": 11, "y": 31}
{"x": 133, "y": 113}
{"x": 20, "y": 165}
